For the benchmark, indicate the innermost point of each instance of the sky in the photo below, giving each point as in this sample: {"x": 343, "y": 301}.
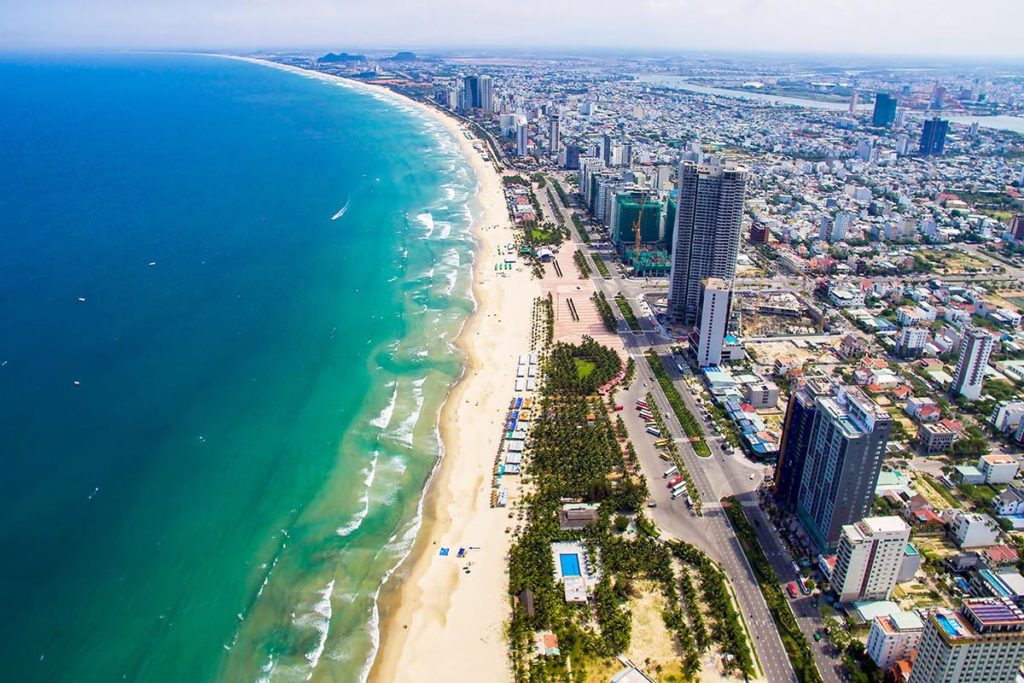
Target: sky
{"x": 980, "y": 28}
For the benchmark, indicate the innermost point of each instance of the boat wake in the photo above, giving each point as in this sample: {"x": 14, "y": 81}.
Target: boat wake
{"x": 342, "y": 210}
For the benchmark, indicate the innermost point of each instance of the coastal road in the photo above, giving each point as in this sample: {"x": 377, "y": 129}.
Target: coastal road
{"x": 714, "y": 477}
{"x": 712, "y": 533}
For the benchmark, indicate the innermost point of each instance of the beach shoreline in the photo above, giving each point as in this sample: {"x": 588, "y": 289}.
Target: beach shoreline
{"x": 435, "y": 619}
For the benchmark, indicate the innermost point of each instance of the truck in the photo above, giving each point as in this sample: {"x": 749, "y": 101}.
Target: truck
{"x": 670, "y": 471}
{"x": 674, "y": 481}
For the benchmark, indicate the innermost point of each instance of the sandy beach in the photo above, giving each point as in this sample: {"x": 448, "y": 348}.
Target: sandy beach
{"x": 437, "y": 621}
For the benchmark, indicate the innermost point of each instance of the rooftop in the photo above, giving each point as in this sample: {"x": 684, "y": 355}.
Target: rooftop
{"x": 989, "y": 612}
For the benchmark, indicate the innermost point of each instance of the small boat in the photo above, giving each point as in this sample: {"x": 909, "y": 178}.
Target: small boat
{"x": 342, "y": 210}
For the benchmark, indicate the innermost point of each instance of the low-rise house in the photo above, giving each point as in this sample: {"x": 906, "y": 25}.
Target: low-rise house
{"x": 998, "y": 468}
{"x": 1000, "y": 556}
{"x": 972, "y": 529}
{"x": 1009, "y": 502}
{"x": 935, "y": 438}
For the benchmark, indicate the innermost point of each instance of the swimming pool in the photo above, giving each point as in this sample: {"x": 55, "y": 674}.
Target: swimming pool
{"x": 570, "y": 564}
{"x": 950, "y": 626}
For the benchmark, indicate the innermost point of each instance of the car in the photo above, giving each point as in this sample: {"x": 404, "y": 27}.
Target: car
{"x": 652, "y": 504}
{"x": 751, "y": 477}
{"x": 792, "y": 589}
{"x": 817, "y": 636}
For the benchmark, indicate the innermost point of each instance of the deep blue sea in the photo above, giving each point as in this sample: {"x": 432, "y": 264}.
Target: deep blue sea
{"x": 218, "y": 406}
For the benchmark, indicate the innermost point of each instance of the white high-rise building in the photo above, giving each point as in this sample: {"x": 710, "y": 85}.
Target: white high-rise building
{"x": 554, "y": 136}
{"x": 486, "y": 85}
{"x": 982, "y": 643}
{"x": 869, "y": 558}
{"x": 893, "y": 637}
{"x": 902, "y": 144}
{"x": 975, "y": 348}
{"x": 911, "y": 341}
{"x": 522, "y": 138}
{"x": 713, "y": 316}
{"x": 853, "y": 103}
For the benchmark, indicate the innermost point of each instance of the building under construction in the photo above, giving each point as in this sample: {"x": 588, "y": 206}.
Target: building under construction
{"x": 648, "y": 263}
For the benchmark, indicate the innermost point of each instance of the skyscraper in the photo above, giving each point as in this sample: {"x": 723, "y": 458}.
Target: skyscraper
{"x": 975, "y": 348}
{"x": 933, "y": 137}
{"x": 853, "y": 103}
{"x": 884, "y": 113}
{"x": 471, "y": 86}
{"x": 844, "y": 456}
{"x": 486, "y": 103}
{"x": 714, "y": 316}
{"x": 707, "y": 233}
{"x": 522, "y": 138}
{"x": 606, "y": 149}
{"x": 983, "y": 643}
{"x": 796, "y": 438}
{"x": 553, "y": 135}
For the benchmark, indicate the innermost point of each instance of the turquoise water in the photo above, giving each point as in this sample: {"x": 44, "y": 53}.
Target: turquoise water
{"x": 219, "y": 405}
{"x": 570, "y": 564}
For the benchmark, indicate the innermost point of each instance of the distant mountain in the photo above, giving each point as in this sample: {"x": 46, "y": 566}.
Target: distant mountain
{"x": 404, "y": 57}
{"x": 344, "y": 57}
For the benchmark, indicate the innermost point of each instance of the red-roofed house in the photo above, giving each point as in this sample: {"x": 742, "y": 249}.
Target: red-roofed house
{"x": 1000, "y": 555}
{"x": 929, "y": 413}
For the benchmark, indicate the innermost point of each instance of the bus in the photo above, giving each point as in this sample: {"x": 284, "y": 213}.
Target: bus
{"x": 670, "y": 471}
{"x": 653, "y": 431}
{"x": 676, "y": 493}
{"x": 664, "y": 456}
{"x": 642, "y": 405}
{"x": 661, "y": 442}
{"x": 680, "y": 488}
{"x": 646, "y": 413}
{"x": 674, "y": 481}
{"x": 689, "y": 502}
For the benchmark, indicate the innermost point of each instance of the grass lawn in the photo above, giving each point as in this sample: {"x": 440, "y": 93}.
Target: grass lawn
{"x": 584, "y": 367}
{"x": 539, "y": 236}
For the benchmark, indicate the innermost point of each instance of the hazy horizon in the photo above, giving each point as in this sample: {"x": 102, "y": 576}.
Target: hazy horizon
{"x": 986, "y": 30}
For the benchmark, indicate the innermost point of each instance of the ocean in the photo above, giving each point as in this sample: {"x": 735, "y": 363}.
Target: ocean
{"x": 219, "y": 406}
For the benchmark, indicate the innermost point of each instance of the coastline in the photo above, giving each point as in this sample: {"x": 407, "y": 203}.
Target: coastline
{"x": 434, "y": 619}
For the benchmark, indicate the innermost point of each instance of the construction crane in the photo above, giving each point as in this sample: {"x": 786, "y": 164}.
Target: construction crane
{"x": 636, "y": 236}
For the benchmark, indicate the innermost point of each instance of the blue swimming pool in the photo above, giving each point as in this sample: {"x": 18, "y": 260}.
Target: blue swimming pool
{"x": 570, "y": 564}
{"x": 950, "y": 626}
